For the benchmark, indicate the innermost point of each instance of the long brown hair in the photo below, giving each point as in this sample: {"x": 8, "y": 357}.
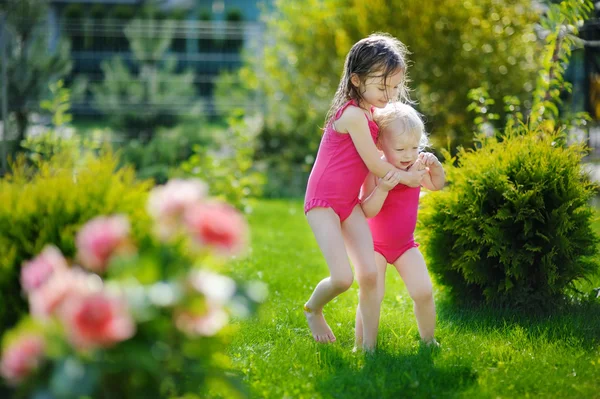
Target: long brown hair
{"x": 378, "y": 53}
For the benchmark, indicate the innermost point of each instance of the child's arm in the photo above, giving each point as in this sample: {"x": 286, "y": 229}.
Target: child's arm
{"x": 435, "y": 178}
{"x": 353, "y": 121}
{"x": 374, "y": 192}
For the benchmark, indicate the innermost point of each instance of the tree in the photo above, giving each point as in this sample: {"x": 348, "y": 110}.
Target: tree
{"x": 157, "y": 95}
{"x": 31, "y": 64}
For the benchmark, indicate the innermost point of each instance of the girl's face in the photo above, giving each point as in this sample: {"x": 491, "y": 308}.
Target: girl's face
{"x": 400, "y": 149}
{"x": 376, "y": 92}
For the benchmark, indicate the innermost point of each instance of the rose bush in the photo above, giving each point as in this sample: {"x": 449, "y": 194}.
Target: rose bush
{"x": 134, "y": 319}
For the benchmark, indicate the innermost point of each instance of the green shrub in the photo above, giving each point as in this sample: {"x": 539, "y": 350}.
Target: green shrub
{"x": 514, "y": 227}
{"x": 228, "y": 164}
{"x": 234, "y": 15}
{"x": 204, "y": 14}
{"x": 98, "y": 12}
{"x": 49, "y": 202}
{"x": 124, "y": 12}
{"x": 58, "y": 139}
{"x": 166, "y": 151}
{"x": 73, "y": 12}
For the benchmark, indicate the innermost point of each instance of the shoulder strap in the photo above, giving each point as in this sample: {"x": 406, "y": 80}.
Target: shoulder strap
{"x": 343, "y": 107}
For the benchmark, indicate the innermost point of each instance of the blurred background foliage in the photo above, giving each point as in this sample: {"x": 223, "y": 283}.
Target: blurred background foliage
{"x": 159, "y": 79}
{"x": 157, "y": 95}
{"x": 455, "y": 47}
{"x": 30, "y": 68}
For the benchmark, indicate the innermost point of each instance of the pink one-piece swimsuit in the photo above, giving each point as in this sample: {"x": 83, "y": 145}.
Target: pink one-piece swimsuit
{"x": 338, "y": 172}
{"x": 394, "y": 226}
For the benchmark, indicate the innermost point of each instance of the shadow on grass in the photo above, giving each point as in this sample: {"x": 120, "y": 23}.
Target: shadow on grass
{"x": 569, "y": 321}
{"x": 392, "y": 375}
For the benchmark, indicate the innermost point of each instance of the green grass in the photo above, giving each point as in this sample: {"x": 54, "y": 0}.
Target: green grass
{"x": 484, "y": 353}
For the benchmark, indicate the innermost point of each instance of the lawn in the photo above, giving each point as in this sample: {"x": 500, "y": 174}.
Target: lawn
{"x": 484, "y": 353}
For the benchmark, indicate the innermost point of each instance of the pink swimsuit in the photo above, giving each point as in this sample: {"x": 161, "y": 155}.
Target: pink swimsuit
{"x": 338, "y": 172}
{"x": 394, "y": 225}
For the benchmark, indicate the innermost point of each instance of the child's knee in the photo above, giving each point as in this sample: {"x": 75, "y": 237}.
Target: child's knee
{"x": 342, "y": 283}
{"x": 368, "y": 280}
{"x": 423, "y": 294}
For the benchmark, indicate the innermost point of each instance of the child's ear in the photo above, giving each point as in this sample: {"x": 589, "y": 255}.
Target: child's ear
{"x": 355, "y": 80}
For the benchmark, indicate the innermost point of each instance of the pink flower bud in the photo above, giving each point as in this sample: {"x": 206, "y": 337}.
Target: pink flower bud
{"x": 99, "y": 239}
{"x": 21, "y": 358}
{"x": 37, "y": 271}
{"x": 168, "y": 203}
{"x": 218, "y": 225}
{"x": 97, "y": 321}
{"x": 61, "y": 286}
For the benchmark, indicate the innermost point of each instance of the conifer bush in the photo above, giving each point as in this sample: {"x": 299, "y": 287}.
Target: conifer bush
{"x": 514, "y": 226}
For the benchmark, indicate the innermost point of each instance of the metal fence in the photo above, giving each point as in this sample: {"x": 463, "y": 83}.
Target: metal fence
{"x": 208, "y": 48}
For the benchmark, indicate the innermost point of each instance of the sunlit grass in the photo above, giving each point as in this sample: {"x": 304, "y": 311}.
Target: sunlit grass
{"x": 484, "y": 353}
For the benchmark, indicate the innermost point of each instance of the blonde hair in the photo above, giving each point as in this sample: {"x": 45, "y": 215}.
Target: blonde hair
{"x": 412, "y": 123}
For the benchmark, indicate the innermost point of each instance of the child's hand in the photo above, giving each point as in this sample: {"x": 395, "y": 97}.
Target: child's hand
{"x": 415, "y": 174}
{"x": 429, "y": 160}
{"x": 418, "y": 165}
{"x": 389, "y": 181}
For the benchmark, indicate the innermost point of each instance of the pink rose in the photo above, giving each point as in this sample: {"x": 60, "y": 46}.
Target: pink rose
{"x": 99, "y": 239}
{"x": 168, "y": 203}
{"x": 206, "y": 324}
{"x": 97, "y": 321}
{"x": 37, "y": 271}
{"x": 62, "y": 285}
{"x": 218, "y": 225}
{"x": 21, "y": 358}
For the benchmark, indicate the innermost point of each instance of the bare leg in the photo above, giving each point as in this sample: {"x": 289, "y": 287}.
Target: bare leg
{"x": 326, "y": 227}
{"x": 413, "y": 271}
{"x": 381, "y": 267}
{"x": 360, "y": 248}
{"x": 358, "y": 331}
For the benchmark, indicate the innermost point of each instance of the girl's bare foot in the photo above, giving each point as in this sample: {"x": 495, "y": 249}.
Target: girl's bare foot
{"x": 357, "y": 344}
{"x": 318, "y": 326}
{"x": 432, "y": 343}
{"x": 362, "y": 349}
